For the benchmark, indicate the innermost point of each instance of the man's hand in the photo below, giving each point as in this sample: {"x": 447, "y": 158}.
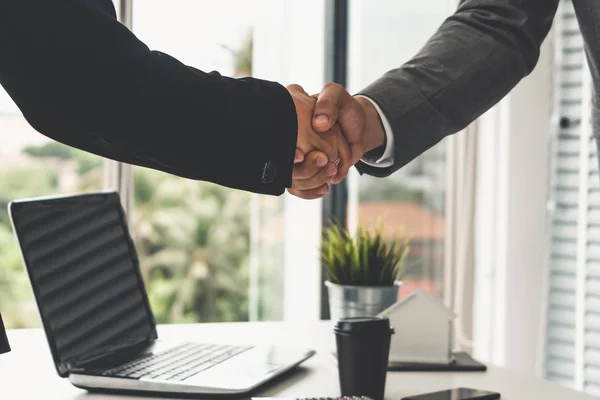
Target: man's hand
{"x": 308, "y": 140}
{"x": 361, "y": 126}
{"x": 313, "y": 173}
{"x": 358, "y": 119}
{"x": 316, "y": 153}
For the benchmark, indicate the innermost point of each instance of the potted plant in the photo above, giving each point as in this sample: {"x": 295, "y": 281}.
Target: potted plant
{"x": 364, "y": 273}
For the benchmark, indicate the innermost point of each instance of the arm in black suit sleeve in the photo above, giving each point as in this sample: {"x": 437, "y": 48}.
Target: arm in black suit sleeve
{"x": 474, "y": 59}
{"x": 82, "y": 78}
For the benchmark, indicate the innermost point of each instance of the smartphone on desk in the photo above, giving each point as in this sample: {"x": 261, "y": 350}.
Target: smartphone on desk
{"x": 457, "y": 394}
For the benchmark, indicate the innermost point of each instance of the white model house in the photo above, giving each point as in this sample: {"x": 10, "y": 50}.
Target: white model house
{"x": 423, "y": 329}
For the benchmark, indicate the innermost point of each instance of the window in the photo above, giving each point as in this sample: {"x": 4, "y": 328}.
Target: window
{"x": 572, "y": 348}
{"x": 411, "y": 201}
{"x": 209, "y": 253}
{"x": 32, "y": 165}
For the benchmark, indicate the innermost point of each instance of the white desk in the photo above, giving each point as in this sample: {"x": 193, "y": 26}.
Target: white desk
{"x": 28, "y": 372}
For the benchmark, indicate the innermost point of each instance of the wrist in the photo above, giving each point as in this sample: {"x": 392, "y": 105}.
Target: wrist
{"x": 374, "y": 133}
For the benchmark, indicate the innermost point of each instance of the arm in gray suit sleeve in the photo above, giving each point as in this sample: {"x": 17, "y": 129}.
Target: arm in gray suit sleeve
{"x": 474, "y": 59}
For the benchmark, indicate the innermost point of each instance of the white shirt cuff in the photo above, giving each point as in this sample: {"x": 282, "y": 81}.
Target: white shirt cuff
{"x": 387, "y": 159}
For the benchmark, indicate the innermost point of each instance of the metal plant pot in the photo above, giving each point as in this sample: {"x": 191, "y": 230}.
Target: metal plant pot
{"x": 360, "y": 301}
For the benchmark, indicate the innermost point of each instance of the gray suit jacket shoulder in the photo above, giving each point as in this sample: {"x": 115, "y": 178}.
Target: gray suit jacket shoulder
{"x": 474, "y": 59}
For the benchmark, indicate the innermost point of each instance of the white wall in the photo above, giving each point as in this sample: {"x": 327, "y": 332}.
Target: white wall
{"x": 511, "y": 222}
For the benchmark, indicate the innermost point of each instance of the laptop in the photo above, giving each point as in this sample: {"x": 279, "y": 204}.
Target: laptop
{"x": 86, "y": 279}
{"x": 4, "y": 346}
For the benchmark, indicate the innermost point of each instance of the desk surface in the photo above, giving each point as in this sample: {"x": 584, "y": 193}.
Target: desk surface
{"x": 28, "y": 373}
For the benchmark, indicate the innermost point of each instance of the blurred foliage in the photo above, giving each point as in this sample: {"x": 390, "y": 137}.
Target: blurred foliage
{"x": 270, "y": 304}
{"x": 53, "y": 150}
{"x": 16, "y": 300}
{"x": 50, "y": 150}
{"x": 193, "y": 244}
{"x": 24, "y": 181}
{"x": 192, "y": 239}
{"x": 390, "y": 190}
{"x": 242, "y": 56}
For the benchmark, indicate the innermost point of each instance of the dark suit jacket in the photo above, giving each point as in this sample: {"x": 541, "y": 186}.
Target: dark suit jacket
{"x": 474, "y": 59}
{"x": 83, "y": 79}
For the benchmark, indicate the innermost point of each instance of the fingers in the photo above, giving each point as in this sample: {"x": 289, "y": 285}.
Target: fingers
{"x": 313, "y": 163}
{"x": 322, "y": 177}
{"x": 331, "y": 142}
{"x": 314, "y": 173}
{"x": 344, "y": 153}
{"x": 325, "y": 144}
{"x": 298, "y": 157}
{"x": 310, "y": 194}
{"x": 329, "y": 102}
{"x": 296, "y": 88}
{"x": 310, "y": 179}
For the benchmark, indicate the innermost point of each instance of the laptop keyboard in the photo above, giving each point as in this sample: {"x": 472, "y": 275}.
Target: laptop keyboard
{"x": 177, "y": 363}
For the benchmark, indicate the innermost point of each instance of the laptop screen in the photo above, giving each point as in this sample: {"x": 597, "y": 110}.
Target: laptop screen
{"x": 4, "y": 346}
{"x": 84, "y": 273}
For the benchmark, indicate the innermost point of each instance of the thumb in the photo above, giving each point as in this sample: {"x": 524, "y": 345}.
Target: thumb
{"x": 329, "y": 102}
{"x": 299, "y": 156}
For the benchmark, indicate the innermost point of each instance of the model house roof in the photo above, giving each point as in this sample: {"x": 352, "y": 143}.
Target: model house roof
{"x": 419, "y": 293}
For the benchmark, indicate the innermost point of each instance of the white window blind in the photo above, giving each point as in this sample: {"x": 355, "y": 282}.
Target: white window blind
{"x": 572, "y": 350}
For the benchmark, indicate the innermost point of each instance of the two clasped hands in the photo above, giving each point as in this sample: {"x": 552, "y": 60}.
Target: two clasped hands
{"x": 335, "y": 130}
{"x": 146, "y": 108}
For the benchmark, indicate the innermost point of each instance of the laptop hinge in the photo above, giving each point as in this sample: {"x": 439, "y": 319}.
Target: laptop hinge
{"x": 110, "y": 356}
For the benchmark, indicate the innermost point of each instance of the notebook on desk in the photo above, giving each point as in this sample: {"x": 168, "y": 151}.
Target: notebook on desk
{"x": 461, "y": 362}
{"x": 87, "y": 283}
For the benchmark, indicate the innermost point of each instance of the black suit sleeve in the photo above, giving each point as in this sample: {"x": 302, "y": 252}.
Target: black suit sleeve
{"x": 82, "y": 78}
{"x": 474, "y": 59}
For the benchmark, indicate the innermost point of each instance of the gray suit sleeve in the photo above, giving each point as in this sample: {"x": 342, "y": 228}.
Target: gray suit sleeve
{"x": 473, "y": 60}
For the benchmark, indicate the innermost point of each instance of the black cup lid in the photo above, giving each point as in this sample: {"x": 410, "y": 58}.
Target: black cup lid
{"x": 364, "y": 325}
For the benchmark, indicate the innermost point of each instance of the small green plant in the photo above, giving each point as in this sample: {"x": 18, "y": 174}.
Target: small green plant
{"x": 367, "y": 260}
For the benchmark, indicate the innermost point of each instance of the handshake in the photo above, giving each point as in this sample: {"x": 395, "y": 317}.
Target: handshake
{"x": 335, "y": 130}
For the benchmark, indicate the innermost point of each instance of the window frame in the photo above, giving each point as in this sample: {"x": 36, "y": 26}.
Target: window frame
{"x": 336, "y": 203}
{"x": 117, "y": 175}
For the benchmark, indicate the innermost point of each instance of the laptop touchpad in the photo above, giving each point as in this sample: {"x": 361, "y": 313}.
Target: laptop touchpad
{"x": 240, "y": 372}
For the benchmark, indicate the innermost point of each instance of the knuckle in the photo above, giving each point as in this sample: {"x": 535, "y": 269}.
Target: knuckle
{"x": 297, "y": 174}
{"x": 324, "y": 103}
{"x": 298, "y": 193}
{"x": 298, "y": 184}
{"x": 325, "y": 146}
{"x": 331, "y": 86}
{"x": 306, "y": 194}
